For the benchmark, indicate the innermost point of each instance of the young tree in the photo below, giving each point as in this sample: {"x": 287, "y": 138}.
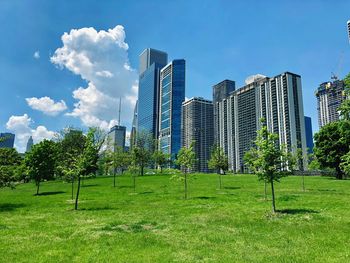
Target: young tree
{"x": 331, "y": 144}
{"x": 134, "y": 171}
{"x": 160, "y": 159}
{"x": 140, "y": 156}
{"x": 265, "y": 159}
{"x": 40, "y": 162}
{"x": 119, "y": 160}
{"x": 186, "y": 158}
{"x": 87, "y": 161}
{"x": 218, "y": 161}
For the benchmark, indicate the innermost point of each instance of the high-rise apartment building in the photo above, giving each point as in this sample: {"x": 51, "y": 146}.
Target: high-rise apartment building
{"x": 278, "y": 100}
{"x": 220, "y": 92}
{"x": 329, "y": 96}
{"x": 151, "y": 62}
{"x": 197, "y": 126}
{"x": 172, "y": 94}
{"x": 7, "y": 140}
{"x": 116, "y": 137}
{"x": 309, "y": 135}
{"x": 29, "y": 144}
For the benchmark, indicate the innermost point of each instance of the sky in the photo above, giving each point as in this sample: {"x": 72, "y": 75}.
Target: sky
{"x": 67, "y": 63}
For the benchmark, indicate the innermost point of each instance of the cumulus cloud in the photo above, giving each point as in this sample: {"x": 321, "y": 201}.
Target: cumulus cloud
{"x": 22, "y": 127}
{"x": 47, "y": 105}
{"x": 36, "y": 54}
{"x": 100, "y": 58}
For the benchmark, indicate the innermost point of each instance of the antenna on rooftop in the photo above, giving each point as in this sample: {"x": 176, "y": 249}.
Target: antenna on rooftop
{"x": 120, "y": 105}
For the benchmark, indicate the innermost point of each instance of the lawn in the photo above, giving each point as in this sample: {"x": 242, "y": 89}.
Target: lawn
{"x": 155, "y": 224}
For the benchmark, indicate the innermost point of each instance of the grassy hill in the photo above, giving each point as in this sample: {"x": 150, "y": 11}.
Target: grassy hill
{"x": 155, "y": 224}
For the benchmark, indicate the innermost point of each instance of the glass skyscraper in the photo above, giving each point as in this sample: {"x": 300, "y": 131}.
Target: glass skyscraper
{"x": 309, "y": 136}
{"x": 151, "y": 62}
{"x": 7, "y": 140}
{"x": 172, "y": 94}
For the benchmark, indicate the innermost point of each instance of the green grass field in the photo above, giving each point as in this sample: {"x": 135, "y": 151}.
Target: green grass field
{"x": 156, "y": 224}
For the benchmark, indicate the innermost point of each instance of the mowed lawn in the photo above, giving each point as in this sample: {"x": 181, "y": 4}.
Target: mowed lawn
{"x": 155, "y": 224}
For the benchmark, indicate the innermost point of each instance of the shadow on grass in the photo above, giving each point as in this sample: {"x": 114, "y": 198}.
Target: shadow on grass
{"x": 204, "y": 197}
{"x": 6, "y": 207}
{"x": 145, "y": 193}
{"x": 297, "y": 211}
{"x": 51, "y": 193}
{"x": 124, "y": 186}
{"x": 103, "y": 208}
{"x": 231, "y": 187}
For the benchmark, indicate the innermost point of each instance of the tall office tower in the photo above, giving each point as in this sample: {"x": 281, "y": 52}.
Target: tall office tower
{"x": 329, "y": 97}
{"x": 197, "y": 126}
{"x": 151, "y": 62}
{"x": 7, "y": 140}
{"x": 133, "y": 128}
{"x": 116, "y": 137}
{"x": 309, "y": 135}
{"x": 172, "y": 94}
{"x": 220, "y": 92}
{"x": 348, "y": 23}
{"x": 278, "y": 100}
{"x": 29, "y": 144}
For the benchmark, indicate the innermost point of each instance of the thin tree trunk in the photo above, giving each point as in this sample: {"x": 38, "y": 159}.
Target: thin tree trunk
{"x": 142, "y": 170}
{"x": 114, "y": 179}
{"x": 273, "y": 197}
{"x": 37, "y": 188}
{"x": 265, "y": 190}
{"x": 134, "y": 181}
{"x": 77, "y": 196}
{"x": 303, "y": 182}
{"x": 186, "y": 185}
{"x": 72, "y": 189}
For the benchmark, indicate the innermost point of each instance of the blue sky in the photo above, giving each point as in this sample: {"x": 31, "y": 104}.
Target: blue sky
{"x": 218, "y": 39}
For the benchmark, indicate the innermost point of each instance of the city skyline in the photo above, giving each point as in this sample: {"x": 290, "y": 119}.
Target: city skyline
{"x": 47, "y": 87}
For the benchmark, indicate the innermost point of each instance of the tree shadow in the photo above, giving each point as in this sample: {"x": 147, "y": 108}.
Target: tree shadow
{"x": 204, "y": 197}
{"x": 145, "y": 193}
{"x": 50, "y": 193}
{"x": 6, "y": 207}
{"x": 231, "y": 187}
{"x": 297, "y": 211}
{"x": 124, "y": 186}
{"x": 97, "y": 208}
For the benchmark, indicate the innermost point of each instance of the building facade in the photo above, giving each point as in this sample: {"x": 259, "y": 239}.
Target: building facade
{"x": 278, "y": 100}
{"x": 116, "y": 138}
{"x": 151, "y": 62}
{"x": 220, "y": 92}
{"x": 172, "y": 94}
{"x": 29, "y": 144}
{"x": 198, "y": 126}
{"x": 7, "y": 140}
{"x": 329, "y": 96}
{"x": 348, "y": 24}
{"x": 309, "y": 135}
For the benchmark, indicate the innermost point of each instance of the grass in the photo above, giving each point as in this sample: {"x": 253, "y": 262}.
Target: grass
{"x": 156, "y": 224}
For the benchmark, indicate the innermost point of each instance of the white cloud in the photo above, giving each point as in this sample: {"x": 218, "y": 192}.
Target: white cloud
{"x": 36, "y": 54}
{"x": 21, "y": 126}
{"x": 47, "y": 105}
{"x": 100, "y": 58}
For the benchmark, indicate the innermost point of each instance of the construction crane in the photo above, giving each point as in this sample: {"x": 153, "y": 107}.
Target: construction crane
{"x": 334, "y": 75}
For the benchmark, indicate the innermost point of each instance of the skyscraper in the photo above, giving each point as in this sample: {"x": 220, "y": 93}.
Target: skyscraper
{"x": 134, "y": 127}
{"x": 197, "y": 126}
{"x": 220, "y": 92}
{"x": 116, "y": 137}
{"x": 309, "y": 135}
{"x": 7, "y": 140}
{"x": 172, "y": 94}
{"x": 29, "y": 144}
{"x": 151, "y": 62}
{"x": 329, "y": 96}
{"x": 278, "y": 100}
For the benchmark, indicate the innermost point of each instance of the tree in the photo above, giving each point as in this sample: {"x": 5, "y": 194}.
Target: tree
{"x": 344, "y": 108}
{"x": 160, "y": 159}
{"x": 186, "y": 158}
{"x": 40, "y": 162}
{"x": 265, "y": 159}
{"x": 87, "y": 161}
{"x": 141, "y": 157}
{"x": 218, "y": 161}
{"x": 119, "y": 160}
{"x": 133, "y": 169}
{"x": 331, "y": 144}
